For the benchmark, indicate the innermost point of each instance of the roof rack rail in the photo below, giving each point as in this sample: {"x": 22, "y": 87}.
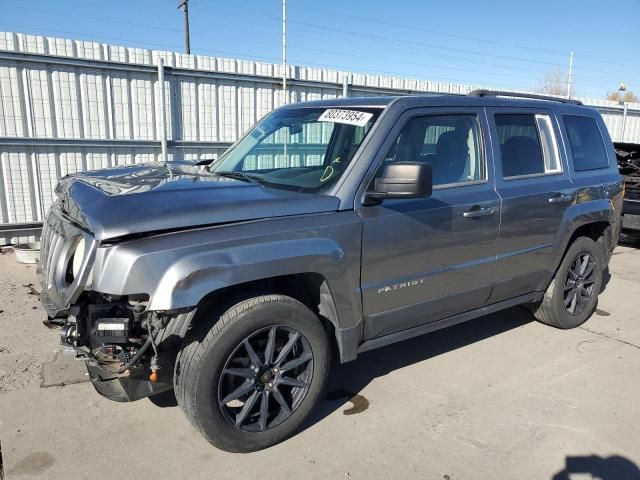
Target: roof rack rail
{"x": 497, "y": 93}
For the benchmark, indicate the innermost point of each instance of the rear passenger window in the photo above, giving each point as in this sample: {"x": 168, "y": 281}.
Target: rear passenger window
{"x": 586, "y": 144}
{"x": 527, "y": 145}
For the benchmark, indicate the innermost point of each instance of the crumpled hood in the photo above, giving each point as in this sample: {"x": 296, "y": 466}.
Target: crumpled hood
{"x": 157, "y": 197}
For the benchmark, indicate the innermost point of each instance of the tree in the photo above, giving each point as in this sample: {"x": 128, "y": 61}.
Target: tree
{"x": 628, "y": 97}
{"x": 554, "y": 83}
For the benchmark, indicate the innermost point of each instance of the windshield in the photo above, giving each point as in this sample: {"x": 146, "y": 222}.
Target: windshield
{"x": 303, "y": 149}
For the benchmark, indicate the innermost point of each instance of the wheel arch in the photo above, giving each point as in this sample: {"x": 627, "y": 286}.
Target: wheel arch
{"x": 593, "y": 219}
{"x": 598, "y": 230}
{"x": 310, "y": 288}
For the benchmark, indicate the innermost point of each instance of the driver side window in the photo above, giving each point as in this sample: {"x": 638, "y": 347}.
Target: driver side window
{"x": 449, "y": 143}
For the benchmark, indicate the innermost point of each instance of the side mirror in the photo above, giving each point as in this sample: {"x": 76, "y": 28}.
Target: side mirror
{"x": 403, "y": 180}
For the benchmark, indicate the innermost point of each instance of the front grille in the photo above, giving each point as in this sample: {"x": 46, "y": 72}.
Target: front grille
{"x": 57, "y": 239}
{"x": 51, "y": 241}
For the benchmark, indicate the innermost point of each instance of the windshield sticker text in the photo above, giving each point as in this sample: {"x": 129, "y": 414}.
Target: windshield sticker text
{"x": 350, "y": 117}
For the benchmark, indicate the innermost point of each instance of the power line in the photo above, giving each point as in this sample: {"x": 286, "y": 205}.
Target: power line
{"x": 386, "y": 42}
{"x": 468, "y": 38}
{"x": 405, "y": 26}
{"x": 145, "y": 44}
{"x": 375, "y": 37}
{"x": 431, "y": 45}
{"x": 270, "y": 59}
{"x": 508, "y": 67}
{"x": 395, "y": 44}
{"x": 251, "y": 56}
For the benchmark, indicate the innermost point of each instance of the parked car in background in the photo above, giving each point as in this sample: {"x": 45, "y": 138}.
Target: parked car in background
{"x": 338, "y": 225}
{"x": 628, "y": 155}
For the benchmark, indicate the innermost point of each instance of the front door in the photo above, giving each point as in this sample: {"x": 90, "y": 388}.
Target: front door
{"x": 430, "y": 258}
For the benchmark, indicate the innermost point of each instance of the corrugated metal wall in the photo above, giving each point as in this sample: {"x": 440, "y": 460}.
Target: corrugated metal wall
{"x": 68, "y": 105}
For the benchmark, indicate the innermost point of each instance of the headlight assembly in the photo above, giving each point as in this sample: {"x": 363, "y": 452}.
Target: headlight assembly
{"x": 78, "y": 257}
{"x": 75, "y": 262}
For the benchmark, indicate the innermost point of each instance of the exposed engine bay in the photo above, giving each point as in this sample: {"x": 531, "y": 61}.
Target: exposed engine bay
{"x": 129, "y": 352}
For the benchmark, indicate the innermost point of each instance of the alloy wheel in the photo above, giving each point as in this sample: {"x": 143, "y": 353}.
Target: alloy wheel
{"x": 266, "y": 378}
{"x": 580, "y": 282}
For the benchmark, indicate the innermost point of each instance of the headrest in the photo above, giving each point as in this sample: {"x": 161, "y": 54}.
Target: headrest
{"x": 452, "y": 144}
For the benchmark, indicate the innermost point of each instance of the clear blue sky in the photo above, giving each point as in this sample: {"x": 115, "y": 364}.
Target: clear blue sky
{"x": 500, "y": 43}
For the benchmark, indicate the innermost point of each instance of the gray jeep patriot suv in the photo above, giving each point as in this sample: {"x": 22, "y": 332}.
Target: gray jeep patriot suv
{"x": 337, "y": 225}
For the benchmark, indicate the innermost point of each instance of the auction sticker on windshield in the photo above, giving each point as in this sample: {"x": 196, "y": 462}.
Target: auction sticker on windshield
{"x": 350, "y": 117}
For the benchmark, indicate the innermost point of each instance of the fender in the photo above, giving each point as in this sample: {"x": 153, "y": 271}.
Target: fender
{"x": 190, "y": 278}
{"x": 576, "y": 216}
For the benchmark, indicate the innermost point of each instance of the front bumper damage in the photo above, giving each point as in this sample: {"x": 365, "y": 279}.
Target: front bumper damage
{"x": 129, "y": 352}
{"x": 131, "y": 386}
{"x": 148, "y": 372}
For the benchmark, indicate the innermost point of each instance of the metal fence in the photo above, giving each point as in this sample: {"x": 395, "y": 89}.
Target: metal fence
{"x": 68, "y": 106}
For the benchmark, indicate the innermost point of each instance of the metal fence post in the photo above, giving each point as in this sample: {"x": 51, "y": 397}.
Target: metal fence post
{"x": 345, "y": 85}
{"x": 163, "y": 110}
{"x": 624, "y": 121}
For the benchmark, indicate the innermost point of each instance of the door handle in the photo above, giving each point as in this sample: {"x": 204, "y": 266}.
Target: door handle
{"x": 478, "y": 212}
{"x": 560, "y": 199}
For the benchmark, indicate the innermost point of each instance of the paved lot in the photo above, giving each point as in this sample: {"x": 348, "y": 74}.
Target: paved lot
{"x": 501, "y": 397}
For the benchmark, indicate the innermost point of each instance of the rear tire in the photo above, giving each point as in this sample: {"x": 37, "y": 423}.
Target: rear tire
{"x": 236, "y": 408}
{"x": 572, "y": 296}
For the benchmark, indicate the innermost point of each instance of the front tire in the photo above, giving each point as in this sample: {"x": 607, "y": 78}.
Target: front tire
{"x": 252, "y": 379}
{"x": 572, "y": 296}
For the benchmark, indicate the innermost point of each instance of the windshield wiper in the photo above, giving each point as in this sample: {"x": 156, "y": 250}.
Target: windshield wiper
{"x": 240, "y": 176}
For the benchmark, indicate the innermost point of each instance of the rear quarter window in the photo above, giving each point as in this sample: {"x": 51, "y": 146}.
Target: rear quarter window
{"x": 585, "y": 143}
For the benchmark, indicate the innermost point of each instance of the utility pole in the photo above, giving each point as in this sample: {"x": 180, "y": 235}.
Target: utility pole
{"x": 187, "y": 44}
{"x": 163, "y": 110}
{"x": 570, "y": 76}
{"x": 284, "y": 49}
{"x": 623, "y": 104}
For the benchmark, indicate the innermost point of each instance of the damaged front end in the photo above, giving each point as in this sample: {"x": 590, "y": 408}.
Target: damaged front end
{"x": 129, "y": 351}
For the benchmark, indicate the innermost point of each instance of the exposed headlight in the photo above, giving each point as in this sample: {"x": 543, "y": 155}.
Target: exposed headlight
{"x": 78, "y": 257}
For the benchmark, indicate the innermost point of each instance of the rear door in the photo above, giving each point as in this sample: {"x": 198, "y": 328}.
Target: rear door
{"x": 533, "y": 182}
{"x": 429, "y": 258}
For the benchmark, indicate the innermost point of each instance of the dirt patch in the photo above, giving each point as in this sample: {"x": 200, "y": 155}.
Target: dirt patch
{"x": 25, "y": 344}
{"x": 18, "y": 371}
{"x": 33, "y": 464}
